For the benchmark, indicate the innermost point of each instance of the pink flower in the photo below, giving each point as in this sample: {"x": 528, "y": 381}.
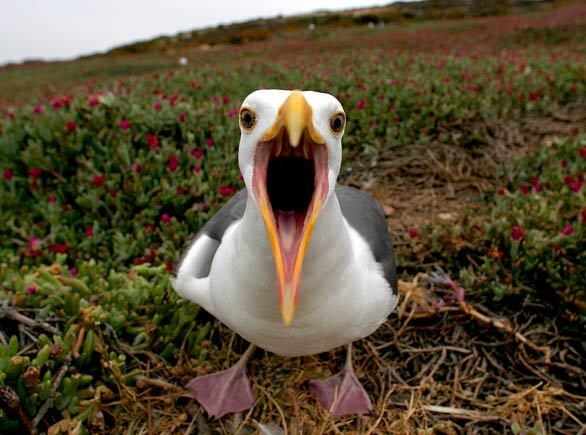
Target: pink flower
{"x": 56, "y": 103}
{"x": 38, "y": 109}
{"x": 226, "y": 191}
{"x": 8, "y": 174}
{"x": 34, "y": 243}
{"x": 360, "y": 104}
{"x": 373, "y": 124}
{"x": 413, "y": 233}
{"x": 197, "y": 169}
{"x": 136, "y": 168}
{"x": 52, "y": 199}
{"x": 165, "y": 218}
{"x": 576, "y": 185}
{"x": 73, "y": 271}
{"x": 209, "y": 142}
{"x": 71, "y": 126}
{"x": 31, "y": 289}
{"x": 35, "y": 172}
{"x": 231, "y": 113}
{"x": 89, "y": 231}
{"x": 157, "y": 106}
{"x": 125, "y": 124}
{"x": 173, "y": 162}
{"x": 153, "y": 141}
{"x": 98, "y": 180}
{"x": 225, "y": 100}
{"x": 525, "y": 189}
{"x": 517, "y": 233}
{"x": 93, "y": 101}
{"x": 568, "y": 229}
{"x": 182, "y": 117}
{"x": 197, "y": 153}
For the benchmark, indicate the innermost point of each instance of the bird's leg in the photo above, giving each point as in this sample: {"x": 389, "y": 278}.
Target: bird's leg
{"x": 226, "y": 391}
{"x": 342, "y": 394}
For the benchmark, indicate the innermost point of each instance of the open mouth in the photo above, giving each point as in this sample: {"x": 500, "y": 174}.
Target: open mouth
{"x": 290, "y": 184}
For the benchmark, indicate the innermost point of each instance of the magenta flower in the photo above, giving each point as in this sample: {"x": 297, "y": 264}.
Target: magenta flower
{"x": 93, "y": 101}
{"x": 583, "y": 152}
{"x": 125, "y": 124}
{"x": 197, "y": 169}
{"x": 89, "y": 231}
{"x": 209, "y": 142}
{"x": 181, "y": 190}
{"x": 413, "y": 233}
{"x": 157, "y": 106}
{"x": 525, "y": 189}
{"x": 182, "y": 117}
{"x": 35, "y": 172}
{"x": 165, "y": 218}
{"x": 360, "y": 104}
{"x": 31, "y": 289}
{"x": 576, "y": 185}
{"x": 568, "y": 229}
{"x": 153, "y": 141}
{"x": 197, "y": 153}
{"x": 137, "y": 168}
{"x": 226, "y": 191}
{"x": 38, "y": 109}
{"x": 71, "y": 126}
{"x": 98, "y": 180}
{"x": 517, "y": 233}
{"x": 173, "y": 162}
{"x": 73, "y": 271}
{"x": 231, "y": 113}
{"x": 34, "y": 243}
{"x": 8, "y": 174}
{"x": 56, "y": 103}
{"x": 52, "y": 199}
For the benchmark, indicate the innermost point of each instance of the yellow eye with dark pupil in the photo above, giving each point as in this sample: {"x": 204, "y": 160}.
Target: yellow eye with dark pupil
{"x": 247, "y": 118}
{"x": 337, "y": 122}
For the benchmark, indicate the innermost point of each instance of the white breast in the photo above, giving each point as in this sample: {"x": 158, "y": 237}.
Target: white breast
{"x": 343, "y": 296}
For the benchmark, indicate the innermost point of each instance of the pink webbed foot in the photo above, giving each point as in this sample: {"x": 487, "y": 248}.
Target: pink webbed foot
{"x": 342, "y": 394}
{"x": 224, "y": 392}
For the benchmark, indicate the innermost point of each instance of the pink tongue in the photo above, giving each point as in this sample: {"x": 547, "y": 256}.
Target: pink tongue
{"x": 287, "y": 227}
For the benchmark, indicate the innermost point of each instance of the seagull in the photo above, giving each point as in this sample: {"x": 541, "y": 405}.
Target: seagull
{"x": 293, "y": 263}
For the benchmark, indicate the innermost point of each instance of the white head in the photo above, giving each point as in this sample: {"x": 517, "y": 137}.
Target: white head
{"x": 289, "y": 156}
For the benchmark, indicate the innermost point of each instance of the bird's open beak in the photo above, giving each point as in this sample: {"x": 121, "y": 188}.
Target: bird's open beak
{"x": 290, "y": 183}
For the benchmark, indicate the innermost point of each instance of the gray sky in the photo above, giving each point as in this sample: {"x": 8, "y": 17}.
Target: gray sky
{"x": 56, "y": 29}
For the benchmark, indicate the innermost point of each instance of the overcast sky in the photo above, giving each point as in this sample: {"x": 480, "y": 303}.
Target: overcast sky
{"x": 56, "y": 29}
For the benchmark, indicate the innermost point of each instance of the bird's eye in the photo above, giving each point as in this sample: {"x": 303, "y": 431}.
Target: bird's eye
{"x": 247, "y": 119}
{"x": 337, "y": 122}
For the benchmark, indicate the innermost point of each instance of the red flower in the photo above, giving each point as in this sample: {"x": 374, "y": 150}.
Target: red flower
{"x": 98, "y": 180}
{"x": 197, "y": 153}
{"x": 136, "y": 168}
{"x": 568, "y": 229}
{"x": 31, "y": 289}
{"x": 583, "y": 152}
{"x": 197, "y": 169}
{"x": 173, "y": 162}
{"x": 35, "y": 172}
{"x": 525, "y": 189}
{"x": 113, "y": 193}
{"x": 165, "y": 218}
{"x": 38, "y": 109}
{"x": 56, "y": 103}
{"x": 413, "y": 233}
{"x": 564, "y": 163}
{"x": 181, "y": 190}
{"x": 517, "y": 233}
{"x": 8, "y": 174}
{"x": 34, "y": 186}
{"x": 152, "y": 141}
{"x": 71, "y": 126}
{"x": 182, "y": 117}
{"x": 583, "y": 213}
{"x": 52, "y": 199}
{"x": 576, "y": 185}
{"x": 93, "y": 101}
{"x": 125, "y": 124}
{"x": 360, "y": 104}
{"x": 89, "y": 231}
{"x": 226, "y": 191}
{"x": 59, "y": 248}
{"x": 501, "y": 191}
{"x": 157, "y": 106}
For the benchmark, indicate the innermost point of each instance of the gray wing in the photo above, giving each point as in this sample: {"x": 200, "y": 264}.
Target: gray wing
{"x": 366, "y": 216}
{"x": 232, "y": 211}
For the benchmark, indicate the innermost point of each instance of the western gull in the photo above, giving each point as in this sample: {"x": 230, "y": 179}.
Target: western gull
{"x": 293, "y": 263}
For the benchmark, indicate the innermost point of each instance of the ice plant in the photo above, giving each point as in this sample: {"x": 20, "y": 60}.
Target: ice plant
{"x": 517, "y": 233}
{"x": 98, "y": 180}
